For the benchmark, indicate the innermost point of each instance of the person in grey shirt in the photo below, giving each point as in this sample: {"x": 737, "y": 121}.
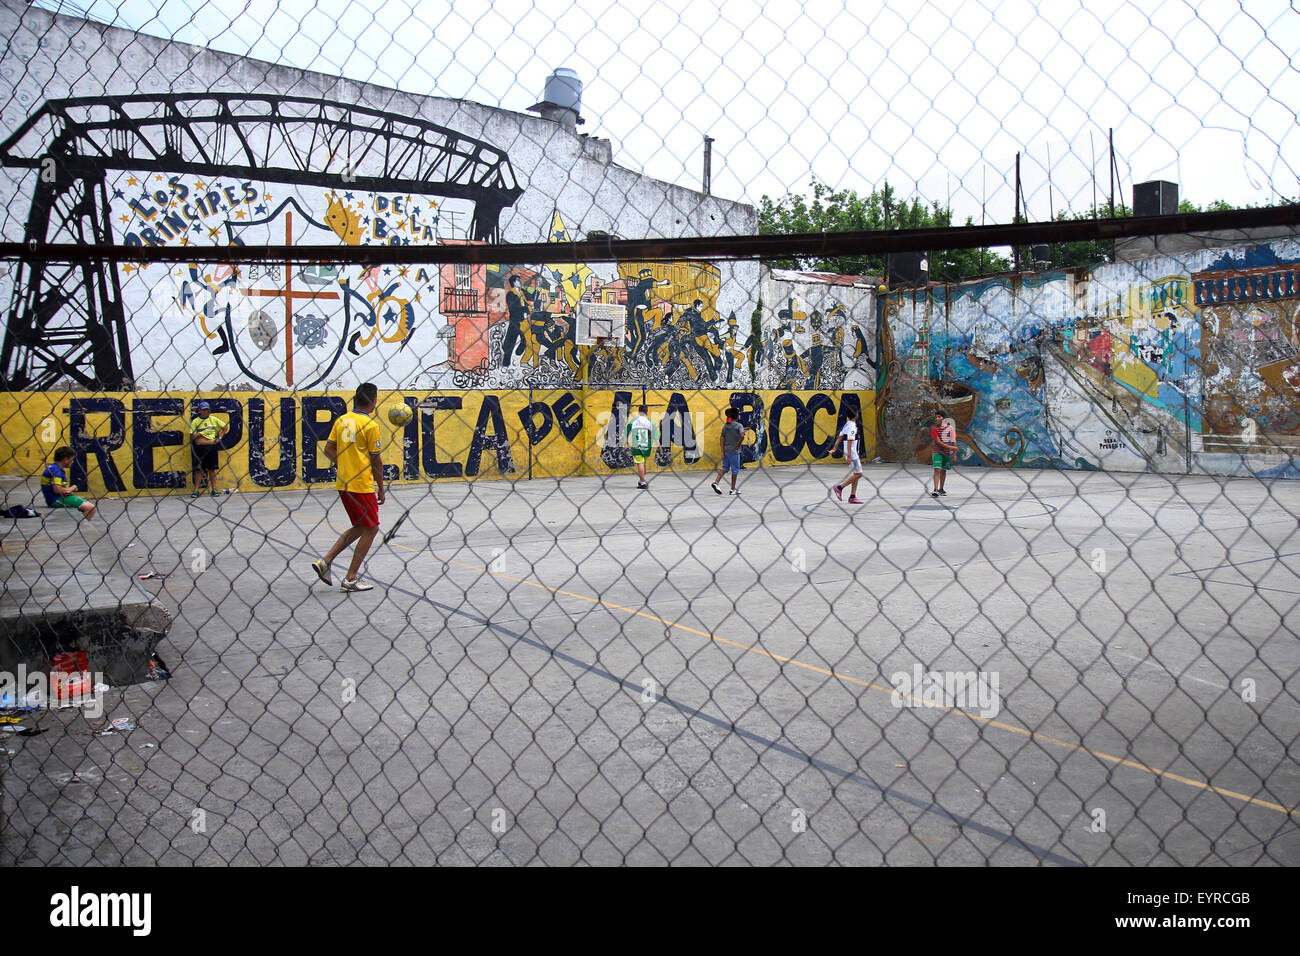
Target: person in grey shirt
{"x": 732, "y": 435}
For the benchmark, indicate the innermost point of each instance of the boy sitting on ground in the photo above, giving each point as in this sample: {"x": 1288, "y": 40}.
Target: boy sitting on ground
{"x": 58, "y": 488}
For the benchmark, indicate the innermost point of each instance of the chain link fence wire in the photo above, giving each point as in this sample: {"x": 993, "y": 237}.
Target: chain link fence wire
{"x": 1006, "y": 571}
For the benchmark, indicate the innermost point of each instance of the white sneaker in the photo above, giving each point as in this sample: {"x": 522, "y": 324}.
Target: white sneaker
{"x": 355, "y": 585}
{"x": 715, "y": 487}
{"x": 323, "y": 572}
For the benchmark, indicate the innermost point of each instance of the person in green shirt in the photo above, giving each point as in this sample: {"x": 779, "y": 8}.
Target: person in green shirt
{"x": 642, "y": 437}
{"x": 206, "y": 432}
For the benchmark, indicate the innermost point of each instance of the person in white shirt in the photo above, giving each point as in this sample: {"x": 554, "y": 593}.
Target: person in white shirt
{"x": 850, "y": 436}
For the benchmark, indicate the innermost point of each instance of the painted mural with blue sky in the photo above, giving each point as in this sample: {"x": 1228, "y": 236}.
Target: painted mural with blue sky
{"x": 1166, "y": 364}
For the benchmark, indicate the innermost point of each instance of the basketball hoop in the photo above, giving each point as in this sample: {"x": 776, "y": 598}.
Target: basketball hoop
{"x": 600, "y": 324}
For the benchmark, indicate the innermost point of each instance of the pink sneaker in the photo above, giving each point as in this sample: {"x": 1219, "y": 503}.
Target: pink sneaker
{"x": 839, "y": 492}
{"x": 855, "y": 500}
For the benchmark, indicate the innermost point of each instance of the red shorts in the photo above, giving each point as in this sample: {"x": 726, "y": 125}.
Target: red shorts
{"x": 362, "y": 508}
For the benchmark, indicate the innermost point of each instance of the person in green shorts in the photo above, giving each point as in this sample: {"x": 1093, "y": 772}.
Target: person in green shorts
{"x": 57, "y": 487}
{"x": 642, "y": 436}
{"x": 943, "y": 445}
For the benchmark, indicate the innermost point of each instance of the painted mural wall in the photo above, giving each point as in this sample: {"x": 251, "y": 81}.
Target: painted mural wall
{"x": 818, "y": 332}
{"x": 138, "y": 442}
{"x": 236, "y": 151}
{"x": 1169, "y": 364}
{"x": 1163, "y": 364}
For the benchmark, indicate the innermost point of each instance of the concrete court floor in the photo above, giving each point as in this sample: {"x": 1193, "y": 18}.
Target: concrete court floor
{"x": 563, "y": 671}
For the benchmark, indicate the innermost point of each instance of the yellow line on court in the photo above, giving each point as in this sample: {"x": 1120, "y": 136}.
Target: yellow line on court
{"x": 750, "y": 648}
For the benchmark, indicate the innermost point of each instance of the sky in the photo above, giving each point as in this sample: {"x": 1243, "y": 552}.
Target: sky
{"x": 934, "y": 96}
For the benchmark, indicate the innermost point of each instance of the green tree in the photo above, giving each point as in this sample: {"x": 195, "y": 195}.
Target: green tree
{"x": 1090, "y": 252}
{"x": 843, "y": 210}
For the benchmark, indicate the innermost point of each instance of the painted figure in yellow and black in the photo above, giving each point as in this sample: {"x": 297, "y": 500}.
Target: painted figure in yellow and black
{"x": 733, "y": 352}
{"x": 517, "y": 313}
{"x": 794, "y": 369}
{"x": 700, "y": 332}
{"x": 814, "y": 356}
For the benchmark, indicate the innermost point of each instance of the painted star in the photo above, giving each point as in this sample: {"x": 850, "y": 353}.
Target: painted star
{"x": 401, "y": 224}
{"x": 432, "y": 289}
{"x": 559, "y": 236}
{"x": 158, "y": 178}
{"x": 132, "y": 181}
{"x": 185, "y": 240}
{"x": 267, "y": 196}
{"x": 128, "y": 268}
{"x": 348, "y": 196}
{"x": 389, "y": 316}
{"x": 125, "y": 219}
{"x": 432, "y": 204}
{"x": 417, "y": 297}
{"x": 212, "y": 234}
{"x": 366, "y": 221}
{"x": 240, "y": 213}
{"x": 388, "y": 271}
{"x": 403, "y": 271}
{"x": 197, "y": 228}
{"x": 200, "y": 186}
{"x": 117, "y": 194}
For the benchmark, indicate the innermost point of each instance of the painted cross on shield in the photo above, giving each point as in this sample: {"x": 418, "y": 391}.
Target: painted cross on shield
{"x": 296, "y": 314}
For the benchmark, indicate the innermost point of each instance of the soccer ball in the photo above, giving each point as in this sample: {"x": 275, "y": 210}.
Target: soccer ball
{"x": 399, "y": 413}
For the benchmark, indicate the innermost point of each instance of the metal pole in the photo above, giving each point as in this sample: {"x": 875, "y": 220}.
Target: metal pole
{"x": 1092, "y": 152}
{"x": 1112, "y": 186}
{"x": 1111, "y": 136}
{"x": 1051, "y": 205}
{"x": 708, "y": 165}
{"x": 1015, "y": 250}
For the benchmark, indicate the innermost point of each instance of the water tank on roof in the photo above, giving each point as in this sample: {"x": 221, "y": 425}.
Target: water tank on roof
{"x": 564, "y": 89}
{"x": 561, "y": 99}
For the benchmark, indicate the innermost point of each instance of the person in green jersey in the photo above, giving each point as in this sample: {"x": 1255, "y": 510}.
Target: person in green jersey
{"x": 642, "y": 437}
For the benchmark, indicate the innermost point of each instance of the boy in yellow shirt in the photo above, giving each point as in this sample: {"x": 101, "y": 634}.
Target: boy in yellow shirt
{"x": 353, "y": 446}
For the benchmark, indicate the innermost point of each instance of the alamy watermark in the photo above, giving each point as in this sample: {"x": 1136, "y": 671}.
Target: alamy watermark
{"x": 38, "y": 690}
{"x": 960, "y": 690}
{"x": 76, "y": 909}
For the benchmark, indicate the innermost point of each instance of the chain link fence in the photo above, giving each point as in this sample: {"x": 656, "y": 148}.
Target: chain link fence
{"x": 735, "y": 502}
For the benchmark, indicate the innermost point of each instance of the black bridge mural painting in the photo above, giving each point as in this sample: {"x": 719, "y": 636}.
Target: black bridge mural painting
{"x": 213, "y": 169}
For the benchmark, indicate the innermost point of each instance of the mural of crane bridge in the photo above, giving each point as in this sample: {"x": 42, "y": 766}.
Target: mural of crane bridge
{"x": 239, "y": 169}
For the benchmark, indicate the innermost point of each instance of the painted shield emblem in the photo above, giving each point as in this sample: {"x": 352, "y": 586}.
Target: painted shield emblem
{"x": 262, "y": 329}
